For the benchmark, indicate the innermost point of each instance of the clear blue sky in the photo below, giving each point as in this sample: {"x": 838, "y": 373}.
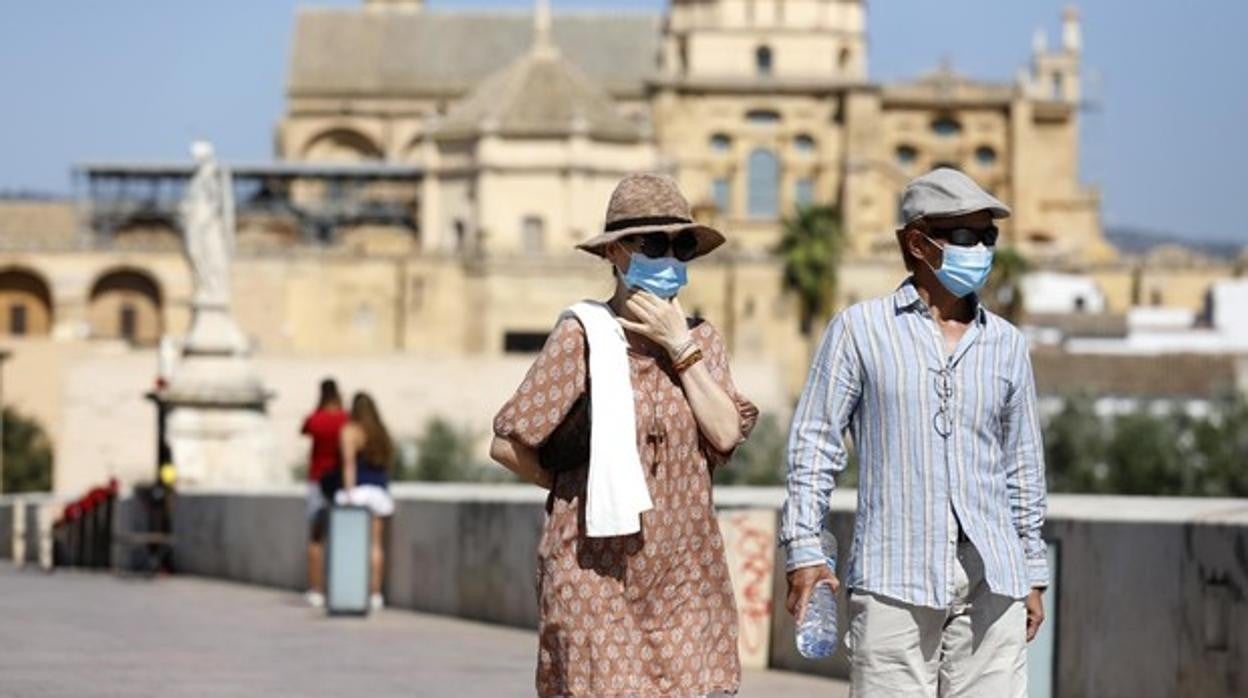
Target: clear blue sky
{"x": 137, "y": 79}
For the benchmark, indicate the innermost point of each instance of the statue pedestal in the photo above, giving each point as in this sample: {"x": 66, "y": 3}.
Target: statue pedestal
{"x": 219, "y": 447}
{"x": 217, "y": 426}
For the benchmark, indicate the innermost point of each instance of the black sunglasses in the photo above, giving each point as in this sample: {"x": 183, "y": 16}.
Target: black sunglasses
{"x": 682, "y": 246}
{"x": 967, "y": 237}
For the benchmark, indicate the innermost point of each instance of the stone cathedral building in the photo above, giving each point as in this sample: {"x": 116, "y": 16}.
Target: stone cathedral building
{"x": 756, "y": 105}
{"x": 432, "y": 171}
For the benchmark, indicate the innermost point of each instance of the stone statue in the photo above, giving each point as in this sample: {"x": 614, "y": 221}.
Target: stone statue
{"x": 208, "y": 227}
{"x": 217, "y": 426}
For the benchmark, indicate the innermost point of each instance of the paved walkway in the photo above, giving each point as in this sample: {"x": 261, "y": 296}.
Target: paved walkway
{"x": 83, "y": 634}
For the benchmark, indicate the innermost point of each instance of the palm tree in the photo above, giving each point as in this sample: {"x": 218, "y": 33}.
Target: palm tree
{"x": 1004, "y": 290}
{"x": 811, "y": 244}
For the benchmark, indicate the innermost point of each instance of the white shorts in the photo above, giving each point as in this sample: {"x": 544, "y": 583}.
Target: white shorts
{"x": 377, "y": 499}
{"x": 314, "y": 499}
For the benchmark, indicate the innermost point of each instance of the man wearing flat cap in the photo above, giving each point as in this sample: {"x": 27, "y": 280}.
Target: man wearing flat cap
{"x": 947, "y": 565}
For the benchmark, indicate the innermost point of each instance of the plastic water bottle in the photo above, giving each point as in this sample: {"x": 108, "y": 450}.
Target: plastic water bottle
{"x": 816, "y": 634}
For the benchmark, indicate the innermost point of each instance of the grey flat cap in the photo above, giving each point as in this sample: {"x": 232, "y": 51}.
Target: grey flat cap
{"x": 945, "y": 192}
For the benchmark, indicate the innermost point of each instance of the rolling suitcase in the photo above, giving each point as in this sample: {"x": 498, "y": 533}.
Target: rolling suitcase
{"x": 347, "y": 560}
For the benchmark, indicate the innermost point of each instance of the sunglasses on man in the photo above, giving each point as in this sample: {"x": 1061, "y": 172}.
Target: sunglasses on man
{"x": 966, "y": 237}
{"x": 683, "y": 246}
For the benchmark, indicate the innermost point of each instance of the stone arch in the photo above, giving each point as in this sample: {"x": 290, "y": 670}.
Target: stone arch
{"x": 25, "y": 303}
{"x": 343, "y": 145}
{"x": 126, "y": 303}
{"x": 414, "y": 147}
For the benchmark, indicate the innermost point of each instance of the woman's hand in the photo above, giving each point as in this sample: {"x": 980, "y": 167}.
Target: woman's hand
{"x": 660, "y": 321}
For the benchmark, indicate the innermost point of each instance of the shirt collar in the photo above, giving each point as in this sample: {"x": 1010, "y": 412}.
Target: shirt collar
{"x": 907, "y": 299}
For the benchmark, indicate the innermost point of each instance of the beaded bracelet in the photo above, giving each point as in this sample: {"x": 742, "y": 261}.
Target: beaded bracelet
{"x": 680, "y": 350}
{"x": 686, "y": 363}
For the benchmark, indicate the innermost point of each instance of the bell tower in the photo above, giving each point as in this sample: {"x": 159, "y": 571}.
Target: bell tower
{"x": 411, "y": 6}
{"x": 1055, "y": 72}
{"x": 766, "y": 40}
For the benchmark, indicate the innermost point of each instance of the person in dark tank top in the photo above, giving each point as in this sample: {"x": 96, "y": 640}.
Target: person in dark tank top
{"x": 367, "y": 457}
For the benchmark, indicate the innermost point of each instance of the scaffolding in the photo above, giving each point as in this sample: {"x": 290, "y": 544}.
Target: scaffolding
{"x": 321, "y": 199}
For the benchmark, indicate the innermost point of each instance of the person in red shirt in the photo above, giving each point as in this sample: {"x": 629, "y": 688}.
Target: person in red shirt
{"x": 324, "y": 426}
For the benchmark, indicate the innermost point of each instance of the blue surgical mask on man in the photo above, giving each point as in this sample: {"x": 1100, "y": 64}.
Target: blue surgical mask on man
{"x": 963, "y": 270}
{"x": 664, "y": 277}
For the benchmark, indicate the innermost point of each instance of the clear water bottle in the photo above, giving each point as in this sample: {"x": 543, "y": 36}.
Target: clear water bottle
{"x": 816, "y": 634}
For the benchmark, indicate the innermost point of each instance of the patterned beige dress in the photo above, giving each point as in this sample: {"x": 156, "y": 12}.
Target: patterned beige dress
{"x": 651, "y": 614}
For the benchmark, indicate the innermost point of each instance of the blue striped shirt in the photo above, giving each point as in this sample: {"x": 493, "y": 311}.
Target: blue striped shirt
{"x": 942, "y": 442}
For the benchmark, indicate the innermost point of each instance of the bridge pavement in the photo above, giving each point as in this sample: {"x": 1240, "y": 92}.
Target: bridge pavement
{"x": 88, "y": 634}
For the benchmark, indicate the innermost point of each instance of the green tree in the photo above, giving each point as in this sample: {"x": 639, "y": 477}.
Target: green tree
{"x": 1151, "y": 454}
{"x": 1153, "y": 450}
{"x": 1004, "y": 290}
{"x": 811, "y": 246}
{"x": 760, "y": 460}
{"x": 763, "y": 459}
{"x": 444, "y": 454}
{"x": 27, "y": 454}
{"x": 1222, "y": 444}
{"x": 1075, "y": 440}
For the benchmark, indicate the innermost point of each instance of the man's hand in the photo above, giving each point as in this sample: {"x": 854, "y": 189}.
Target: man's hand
{"x": 1035, "y": 613}
{"x": 802, "y": 582}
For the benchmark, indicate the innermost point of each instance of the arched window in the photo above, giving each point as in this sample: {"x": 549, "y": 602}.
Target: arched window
{"x": 762, "y": 117}
{"x": 843, "y": 58}
{"x": 721, "y": 143}
{"x": 25, "y": 304}
{"x": 533, "y": 235}
{"x": 721, "y": 192}
{"x": 763, "y": 176}
{"x": 804, "y": 144}
{"x": 762, "y": 61}
{"x": 946, "y": 127}
{"x": 906, "y": 155}
{"x": 461, "y": 235}
{"x": 126, "y": 304}
{"x": 804, "y": 192}
{"x": 986, "y": 155}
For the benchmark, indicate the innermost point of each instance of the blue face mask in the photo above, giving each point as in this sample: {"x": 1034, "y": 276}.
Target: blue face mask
{"x": 964, "y": 270}
{"x": 664, "y": 277}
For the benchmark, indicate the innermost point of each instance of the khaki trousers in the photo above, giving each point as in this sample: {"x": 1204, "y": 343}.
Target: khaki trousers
{"x": 977, "y": 647}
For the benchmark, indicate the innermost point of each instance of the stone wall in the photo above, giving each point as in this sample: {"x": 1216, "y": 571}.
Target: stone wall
{"x": 1162, "y": 579}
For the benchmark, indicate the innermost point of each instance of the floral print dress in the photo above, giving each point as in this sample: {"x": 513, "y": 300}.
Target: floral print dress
{"x": 649, "y": 614}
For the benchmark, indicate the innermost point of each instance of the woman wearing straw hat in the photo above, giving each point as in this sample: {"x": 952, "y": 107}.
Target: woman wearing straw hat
{"x": 623, "y": 416}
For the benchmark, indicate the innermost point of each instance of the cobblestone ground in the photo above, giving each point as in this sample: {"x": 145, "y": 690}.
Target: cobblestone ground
{"x": 80, "y": 634}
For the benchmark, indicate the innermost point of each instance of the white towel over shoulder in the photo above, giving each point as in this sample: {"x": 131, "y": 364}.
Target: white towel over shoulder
{"x": 617, "y": 492}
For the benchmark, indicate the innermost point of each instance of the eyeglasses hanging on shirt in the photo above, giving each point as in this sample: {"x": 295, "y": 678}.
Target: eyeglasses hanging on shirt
{"x": 943, "y": 419}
